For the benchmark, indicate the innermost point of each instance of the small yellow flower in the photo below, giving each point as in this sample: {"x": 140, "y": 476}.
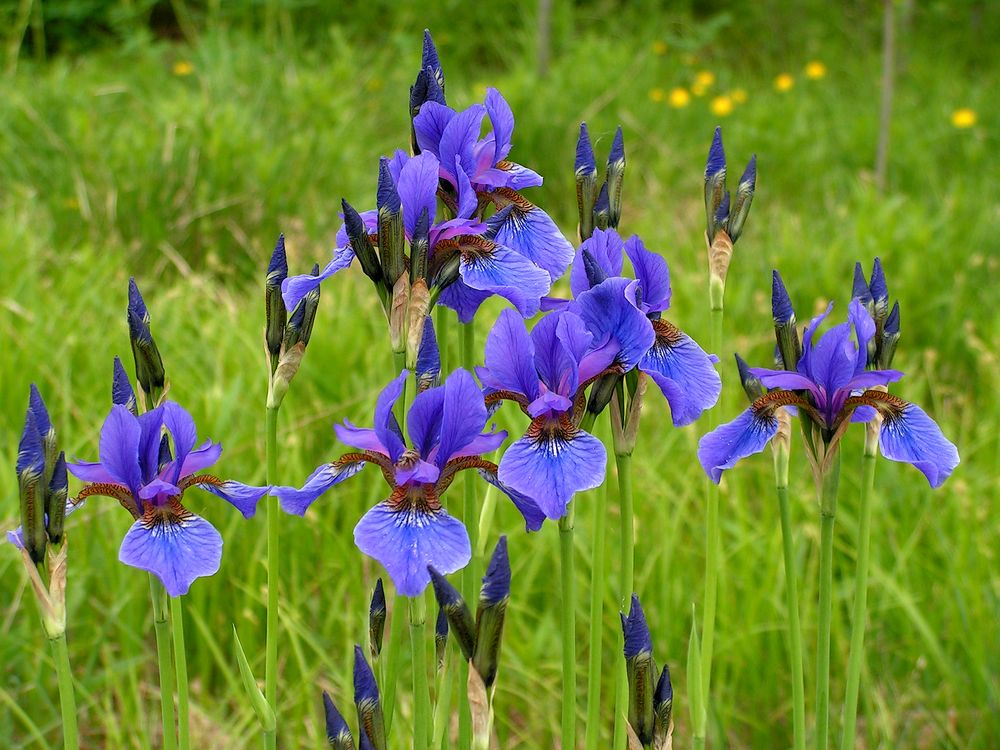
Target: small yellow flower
{"x": 963, "y": 118}
{"x": 738, "y": 95}
{"x": 784, "y": 82}
{"x": 815, "y": 70}
{"x": 722, "y": 106}
{"x": 656, "y": 95}
{"x": 659, "y": 47}
{"x": 704, "y": 78}
{"x": 183, "y": 68}
{"x": 679, "y": 97}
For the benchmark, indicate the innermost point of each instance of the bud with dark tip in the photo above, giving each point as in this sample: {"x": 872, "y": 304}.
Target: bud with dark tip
{"x": 889, "y": 339}
{"x": 860, "y": 289}
{"x": 721, "y": 216}
{"x": 368, "y": 702}
{"x": 430, "y": 61}
{"x": 164, "y": 456}
{"x": 390, "y": 225}
{"x": 428, "y": 367}
{"x": 601, "y": 392}
{"x": 641, "y": 671}
{"x": 493, "y": 598}
{"x": 424, "y": 89}
{"x": 55, "y": 500}
{"x": 715, "y": 182}
{"x": 880, "y": 294}
{"x": 457, "y": 611}
{"x": 586, "y": 182}
{"x": 46, "y": 431}
{"x": 602, "y": 208}
{"x": 361, "y": 244}
{"x": 420, "y": 247}
{"x": 148, "y": 363}
{"x": 440, "y": 637}
{"x": 663, "y": 706}
{"x": 784, "y": 323}
{"x": 338, "y": 734}
{"x": 751, "y": 383}
{"x": 744, "y": 197}
{"x": 303, "y": 317}
{"x": 32, "y": 488}
{"x": 615, "y": 178}
{"x": 122, "y": 392}
{"x": 275, "y": 314}
{"x": 376, "y": 619}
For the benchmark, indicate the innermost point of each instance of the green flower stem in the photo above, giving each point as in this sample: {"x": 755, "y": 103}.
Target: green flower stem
{"x": 421, "y": 694}
{"x": 712, "y": 564}
{"x": 857, "y": 653}
{"x": 392, "y": 661}
{"x": 568, "y": 628}
{"x": 623, "y": 462}
{"x": 273, "y": 540}
{"x": 180, "y": 663}
{"x": 828, "y": 514}
{"x": 442, "y": 708}
{"x": 469, "y": 585}
{"x": 67, "y": 698}
{"x": 597, "y": 588}
{"x": 161, "y": 627}
{"x": 792, "y": 598}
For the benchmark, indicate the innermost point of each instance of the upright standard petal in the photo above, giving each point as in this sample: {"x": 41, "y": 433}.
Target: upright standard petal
{"x": 119, "y": 447}
{"x": 910, "y": 436}
{"x": 463, "y": 416}
{"x": 724, "y": 446}
{"x": 417, "y": 187}
{"x": 510, "y": 357}
{"x": 182, "y": 429}
{"x": 551, "y": 462}
{"x": 605, "y": 246}
{"x": 611, "y": 315}
{"x": 653, "y": 275}
{"x": 683, "y": 371}
{"x": 297, "y": 501}
{"x": 429, "y": 125}
{"x": 176, "y": 546}
{"x": 502, "y": 119}
{"x": 386, "y": 426}
{"x": 457, "y": 140}
{"x": 407, "y": 540}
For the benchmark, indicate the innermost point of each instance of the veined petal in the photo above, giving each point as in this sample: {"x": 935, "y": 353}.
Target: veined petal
{"x": 832, "y": 358}
{"x": 463, "y": 415}
{"x": 243, "y": 497}
{"x": 458, "y": 138}
{"x": 417, "y": 187}
{"x": 158, "y": 490}
{"x": 409, "y": 539}
{"x": 510, "y": 356}
{"x": 429, "y": 125}
{"x": 652, "y": 273}
{"x": 463, "y": 299}
{"x": 610, "y": 315}
{"x": 201, "y": 458}
{"x": 864, "y": 329}
{"x": 502, "y": 271}
{"x": 560, "y": 341}
{"x": 90, "y": 471}
{"x": 509, "y": 174}
{"x": 295, "y": 288}
{"x": 790, "y": 381}
{"x": 552, "y": 462}
{"x": 807, "y": 340}
{"x": 683, "y": 371}
{"x": 181, "y": 427}
{"x": 386, "y": 426}
{"x": 502, "y": 119}
{"x": 297, "y": 502}
{"x": 486, "y": 442}
{"x": 175, "y": 545}
{"x": 363, "y": 438}
{"x": 910, "y": 436}
{"x": 453, "y": 228}
{"x": 119, "y": 447}
{"x": 530, "y": 232}
{"x": 724, "y": 446}
{"x": 370, "y": 220}
{"x": 150, "y": 437}
{"x": 605, "y": 246}
{"x": 528, "y": 508}
{"x": 423, "y": 421}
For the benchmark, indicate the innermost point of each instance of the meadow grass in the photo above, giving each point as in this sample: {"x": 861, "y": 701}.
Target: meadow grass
{"x": 111, "y": 165}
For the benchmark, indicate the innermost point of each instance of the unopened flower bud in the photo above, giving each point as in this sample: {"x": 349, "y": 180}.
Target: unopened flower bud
{"x": 122, "y": 392}
{"x": 663, "y": 706}
{"x": 602, "y": 208}
{"x": 751, "y": 383}
{"x": 275, "y": 314}
{"x": 55, "y": 500}
{"x": 371, "y": 722}
{"x": 586, "y": 182}
{"x": 641, "y": 671}
{"x": 420, "y": 247}
{"x": 338, "y": 734}
{"x": 860, "y": 289}
{"x": 148, "y": 363}
{"x": 390, "y": 225}
{"x": 457, "y": 611}
{"x": 601, "y": 392}
{"x": 615, "y": 178}
{"x": 715, "y": 182}
{"x": 880, "y": 293}
{"x": 493, "y": 598}
{"x": 376, "y": 619}
{"x": 785, "y": 331}
{"x": 361, "y": 244}
{"x": 428, "y": 367}
{"x": 744, "y": 197}
{"x": 47, "y": 433}
{"x": 429, "y": 60}
{"x": 889, "y": 339}
{"x": 440, "y": 637}
{"x": 31, "y": 489}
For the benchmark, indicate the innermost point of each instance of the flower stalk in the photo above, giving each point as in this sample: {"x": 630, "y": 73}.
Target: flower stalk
{"x": 180, "y": 664}
{"x": 421, "y": 696}
{"x": 597, "y": 588}
{"x": 568, "y": 624}
{"x": 161, "y": 627}
{"x": 827, "y": 486}
{"x": 67, "y": 698}
{"x": 273, "y": 542}
{"x": 468, "y": 355}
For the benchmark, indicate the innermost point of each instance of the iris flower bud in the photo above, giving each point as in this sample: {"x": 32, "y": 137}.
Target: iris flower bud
{"x": 148, "y": 363}
{"x": 641, "y": 671}
{"x": 390, "y": 225}
{"x": 860, "y": 289}
{"x": 55, "y": 500}
{"x": 420, "y": 247}
{"x": 338, "y": 734}
{"x": 428, "y": 367}
{"x": 615, "y": 178}
{"x": 601, "y": 392}
{"x": 121, "y": 389}
{"x": 663, "y": 705}
{"x": 493, "y": 598}
{"x": 715, "y": 182}
{"x": 31, "y": 488}
{"x": 721, "y": 216}
{"x": 785, "y": 332}
{"x": 376, "y": 619}
{"x": 457, "y": 612}
{"x": 362, "y": 246}
{"x": 275, "y": 314}
{"x": 602, "y": 208}
{"x": 440, "y": 637}
{"x": 889, "y": 339}
{"x": 880, "y": 293}
{"x": 751, "y": 383}
{"x": 303, "y": 317}
{"x": 586, "y": 182}
{"x": 744, "y": 197}
{"x": 430, "y": 61}
{"x": 366, "y": 698}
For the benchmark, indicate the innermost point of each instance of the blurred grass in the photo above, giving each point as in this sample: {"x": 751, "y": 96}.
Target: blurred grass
{"x": 112, "y": 164}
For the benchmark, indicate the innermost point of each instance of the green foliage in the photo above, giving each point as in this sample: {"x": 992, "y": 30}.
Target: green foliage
{"x": 114, "y": 164}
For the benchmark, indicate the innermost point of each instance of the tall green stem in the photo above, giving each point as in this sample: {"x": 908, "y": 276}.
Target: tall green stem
{"x": 180, "y": 662}
{"x": 791, "y": 598}
{"x": 623, "y": 463}
{"x": 568, "y": 575}
{"x": 857, "y": 653}
{"x": 273, "y": 540}
{"x": 442, "y": 706}
{"x": 711, "y": 543}
{"x": 596, "y": 622}
{"x": 67, "y": 698}
{"x": 469, "y": 590}
{"x": 161, "y": 628}
{"x": 392, "y": 661}
{"x": 828, "y": 513}
{"x": 421, "y": 695}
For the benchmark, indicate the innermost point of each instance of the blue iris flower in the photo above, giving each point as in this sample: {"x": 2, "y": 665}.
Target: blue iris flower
{"x": 833, "y": 387}
{"x": 147, "y": 462}
{"x": 410, "y": 529}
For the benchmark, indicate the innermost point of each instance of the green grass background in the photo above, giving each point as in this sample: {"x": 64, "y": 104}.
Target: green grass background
{"x": 112, "y": 165}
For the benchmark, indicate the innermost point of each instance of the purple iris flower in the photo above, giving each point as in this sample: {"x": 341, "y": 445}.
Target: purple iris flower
{"x": 480, "y": 165}
{"x": 832, "y": 388}
{"x": 410, "y": 529}
{"x": 547, "y": 373}
{"x": 147, "y": 462}
{"x": 684, "y": 372}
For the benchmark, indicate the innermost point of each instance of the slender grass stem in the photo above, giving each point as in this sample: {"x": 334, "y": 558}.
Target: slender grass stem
{"x": 161, "y": 627}
{"x": 421, "y": 695}
{"x": 791, "y": 599}
{"x": 828, "y": 514}
{"x": 623, "y": 463}
{"x": 442, "y": 707}
{"x": 568, "y": 576}
{"x": 392, "y": 661}
{"x": 468, "y": 356}
{"x": 857, "y": 652}
{"x": 596, "y": 621}
{"x": 180, "y": 663}
{"x": 273, "y": 541}
{"x": 67, "y": 698}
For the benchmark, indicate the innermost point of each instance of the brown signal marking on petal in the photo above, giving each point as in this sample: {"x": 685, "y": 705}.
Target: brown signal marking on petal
{"x": 422, "y": 498}
{"x": 198, "y": 479}
{"x": 888, "y": 405}
{"x": 370, "y": 457}
{"x": 769, "y": 402}
{"x": 158, "y": 515}
{"x": 505, "y": 196}
{"x": 461, "y": 464}
{"x": 667, "y": 334}
{"x": 117, "y": 492}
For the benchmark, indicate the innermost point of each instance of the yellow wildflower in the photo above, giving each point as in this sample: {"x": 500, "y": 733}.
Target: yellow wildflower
{"x": 679, "y": 97}
{"x": 815, "y": 70}
{"x": 656, "y": 95}
{"x": 722, "y": 106}
{"x": 784, "y": 82}
{"x": 963, "y": 118}
{"x": 659, "y": 47}
{"x": 704, "y": 78}
{"x": 183, "y": 68}
{"x": 738, "y": 95}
